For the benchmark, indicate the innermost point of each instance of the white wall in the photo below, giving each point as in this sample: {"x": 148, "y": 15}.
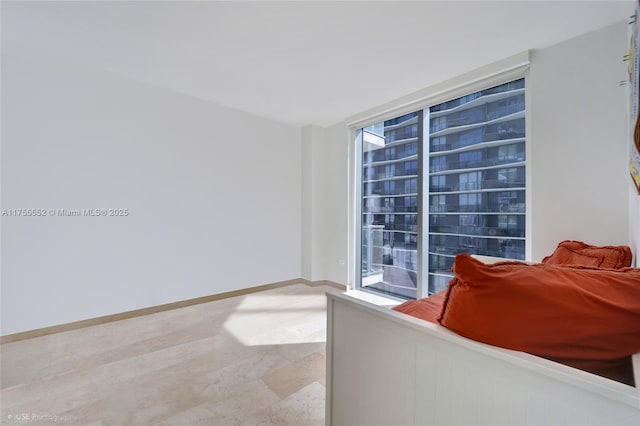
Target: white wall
{"x": 336, "y": 210}
{"x": 213, "y": 194}
{"x": 578, "y": 140}
{"x": 324, "y": 203}
{"x": 314, "y": 191}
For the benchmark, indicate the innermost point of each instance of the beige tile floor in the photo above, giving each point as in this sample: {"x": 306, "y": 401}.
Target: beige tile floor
{"x": 257, "y": 359}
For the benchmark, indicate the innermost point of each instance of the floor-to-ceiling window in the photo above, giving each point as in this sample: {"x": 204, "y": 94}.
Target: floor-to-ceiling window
{"x": 390, "y": 205}
{"x": 464, "y": 160}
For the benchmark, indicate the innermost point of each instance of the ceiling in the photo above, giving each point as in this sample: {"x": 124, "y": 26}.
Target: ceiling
{"x": 299, "y": 62}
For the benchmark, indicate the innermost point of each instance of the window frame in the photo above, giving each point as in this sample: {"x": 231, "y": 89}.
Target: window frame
{"x": 517, "y": 68}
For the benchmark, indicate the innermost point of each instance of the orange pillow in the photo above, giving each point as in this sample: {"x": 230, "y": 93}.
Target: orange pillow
{"x": 588, "y": 318}
{"x": 579, "y": 253}
{"x": 427, "y": 309}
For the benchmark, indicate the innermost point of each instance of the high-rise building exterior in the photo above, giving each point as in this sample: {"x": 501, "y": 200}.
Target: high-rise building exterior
{"x": 476, "y": 178}
{"x": 474, "y": 181}
{"x": 389, "y": 205}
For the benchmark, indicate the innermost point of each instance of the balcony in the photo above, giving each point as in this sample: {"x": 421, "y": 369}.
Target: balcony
{"x": 441, "y": 271}
{"x": 481, "y": 231}
{"x": 401, "y": 227}
{"x": 474, "y": 208}
{"x": 395, "y": 174}
{"x": 390, "y": 209}
{"x": 488, "y": 95}
{"x": 380, "y": 157}
{"x": 501, "y": 123}
{"x": 486, "y": 137}
{"x": 478, "y": 186}
{"x": 479, "y": 116}
{"x": 372, "y": 251}
{"x": 477, "y": 164}
{"x": 454, "y": 251}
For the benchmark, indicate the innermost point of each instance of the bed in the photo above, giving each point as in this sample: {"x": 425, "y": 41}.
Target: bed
{"x": 388, "y": 368}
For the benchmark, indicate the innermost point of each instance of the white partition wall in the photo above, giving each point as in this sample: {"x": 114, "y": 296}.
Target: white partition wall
{"x": 386, "y": 368}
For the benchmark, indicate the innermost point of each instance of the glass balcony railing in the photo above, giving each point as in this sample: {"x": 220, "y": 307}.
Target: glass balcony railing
{"x": 476, "y": 116}
{"x": 403, "y": 245}
{"x": 402, "y": 152}
{"x": 453, "y": 251}
{"x": 391, "y": 227}
{"x": 376, "y": 129}
{"x": 402, "y": 133}
{"x": 503, "y": 111}
{"x": 457, "y": 165}
{"x": 372, "y": 251}
{"x": 402, "y": 189}
{"x": 473, "y": 186}
{"x": 478, "y": 208}
{"x": 456, "y": 102}
{"x": 514, "y": 85}
{"x": 477, "y": 230}
{"x": 403, "y": 119}
{"x": 399, "y": 172}
{"x": 486, "y": 137}
{"x": 389, "y": 209}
